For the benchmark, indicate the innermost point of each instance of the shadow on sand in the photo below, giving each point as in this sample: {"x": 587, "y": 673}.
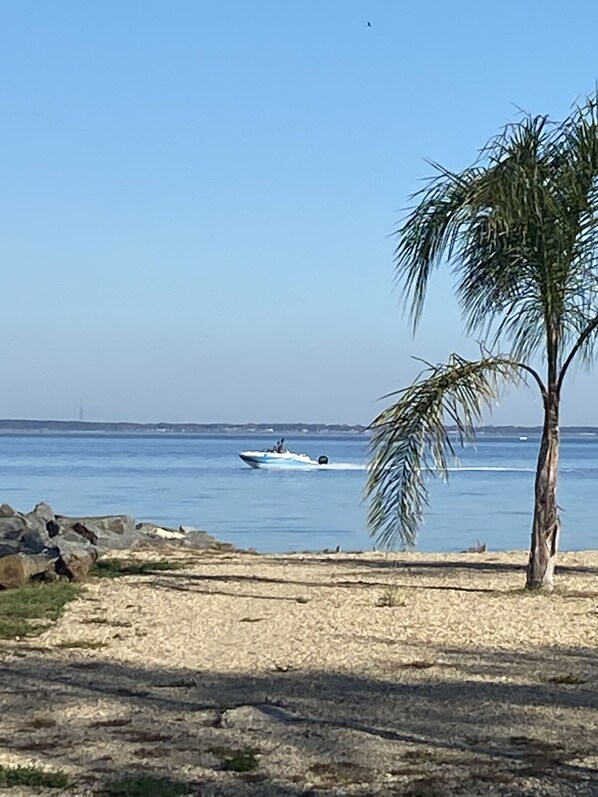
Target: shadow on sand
{"x": 315, "y": 732}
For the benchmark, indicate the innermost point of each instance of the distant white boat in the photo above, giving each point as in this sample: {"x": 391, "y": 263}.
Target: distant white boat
{"x": 522, "y": 437}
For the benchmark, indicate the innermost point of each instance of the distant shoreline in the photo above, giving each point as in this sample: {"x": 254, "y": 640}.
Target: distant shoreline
{"x": 20, "y": 426}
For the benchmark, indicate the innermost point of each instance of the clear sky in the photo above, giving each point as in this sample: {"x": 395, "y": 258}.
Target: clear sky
{"x": 196, "y": 198}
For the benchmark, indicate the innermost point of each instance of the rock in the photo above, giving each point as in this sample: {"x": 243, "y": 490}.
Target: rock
{"x": 12, "y": 527}
{"x": 246, "y": 718}
{"x": 9, "y": 547}
{"x": 200, "y": 540}
{"x": 86, "y": 533}
{"x": 35, "y": 539}
{"x": 34, "y": 521}
{"x": 112, "y": 531}
{"x": 67, "y": 539}
{"x": 75, "y": 561}
{"x": 151, "y": 530}
{"x": 16, "y": 570}
{"x": 103, "y": 525}
{"x": 45, "y": 512}
{"x": 42, "y": 543}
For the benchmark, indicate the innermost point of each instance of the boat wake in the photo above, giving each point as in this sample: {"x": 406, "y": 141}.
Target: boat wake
{"x": 334, "y": 466}
{"x": 342, "y": 466}
{"x": 489, "y": 469}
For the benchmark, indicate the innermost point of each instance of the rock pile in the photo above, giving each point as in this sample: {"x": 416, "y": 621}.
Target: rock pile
{"x": 41, "y": 545}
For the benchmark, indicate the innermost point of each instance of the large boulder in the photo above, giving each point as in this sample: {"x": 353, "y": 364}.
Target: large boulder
{"x": 109, "y": 532}
{"x": 28, "y": 531}
{"x": 17, "y": 569}
{"x": 9, "y": 547}
{"x": 12, "y": 527}
{"x": 200, "y": 540}
{"x": 35, "y": 539}
{"x": 7, "y": 511}
{"x": 44, "y": 512}
{"x": 77, "y": 557}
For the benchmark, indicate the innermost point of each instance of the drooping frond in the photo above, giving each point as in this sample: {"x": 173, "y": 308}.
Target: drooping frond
{"x": 411, "y": 441}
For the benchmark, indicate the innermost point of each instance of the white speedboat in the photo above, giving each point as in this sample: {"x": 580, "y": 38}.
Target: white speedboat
{"x": 279, "y": 457}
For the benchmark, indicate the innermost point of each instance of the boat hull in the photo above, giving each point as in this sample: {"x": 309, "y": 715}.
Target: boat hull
{"x": 270, "y": 459}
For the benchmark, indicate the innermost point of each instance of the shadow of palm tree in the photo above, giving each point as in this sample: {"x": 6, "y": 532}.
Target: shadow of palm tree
{"x": 459, "y": 724}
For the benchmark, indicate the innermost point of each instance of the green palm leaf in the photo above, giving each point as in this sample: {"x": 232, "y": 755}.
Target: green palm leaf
{"x": 411, "y": 441}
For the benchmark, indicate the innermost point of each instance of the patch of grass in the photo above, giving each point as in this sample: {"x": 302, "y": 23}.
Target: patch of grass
{"x": 84, "y": 644}
{"x": 243, "y": 759}
{"x": 146, "y": 786}
{"x": 117, "y": 568}
{"x": 391, "y": 597}
{"x": 566, "y": 678}
{"x": 31, "y": 776}
{"x": 40, "y": 603}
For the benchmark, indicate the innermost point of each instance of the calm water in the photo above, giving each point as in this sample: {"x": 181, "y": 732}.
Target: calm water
{"x": 200, "y": 481}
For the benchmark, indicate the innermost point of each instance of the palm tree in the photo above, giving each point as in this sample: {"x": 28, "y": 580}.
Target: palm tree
{"x": 519, "y": 230}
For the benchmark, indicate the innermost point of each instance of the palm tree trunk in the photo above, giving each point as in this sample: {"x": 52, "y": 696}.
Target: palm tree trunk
{"x": 546, "y": 523}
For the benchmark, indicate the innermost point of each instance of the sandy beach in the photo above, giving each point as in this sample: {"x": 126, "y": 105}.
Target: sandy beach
{"x": 343, "y": 674}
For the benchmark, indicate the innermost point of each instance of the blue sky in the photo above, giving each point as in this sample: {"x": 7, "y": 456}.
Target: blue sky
{"x": 197, "y": 199}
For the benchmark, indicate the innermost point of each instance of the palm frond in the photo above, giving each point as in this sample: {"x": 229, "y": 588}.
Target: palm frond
{"x": 519, "y": 229}
{"x": 411, "y": 440}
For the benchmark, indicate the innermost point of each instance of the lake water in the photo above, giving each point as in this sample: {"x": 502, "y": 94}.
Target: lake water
{"x": 200, "y": 481}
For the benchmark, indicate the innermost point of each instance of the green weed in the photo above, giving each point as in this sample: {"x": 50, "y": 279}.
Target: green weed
{"x": 31, "y": 776}
{"x": 35, "y": 602}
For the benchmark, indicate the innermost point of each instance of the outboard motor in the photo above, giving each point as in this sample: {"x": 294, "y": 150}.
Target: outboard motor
{"x": 323, "y": 460}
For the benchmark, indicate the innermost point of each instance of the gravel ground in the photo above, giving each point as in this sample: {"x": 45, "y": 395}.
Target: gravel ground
{"x": 460, "y": 683}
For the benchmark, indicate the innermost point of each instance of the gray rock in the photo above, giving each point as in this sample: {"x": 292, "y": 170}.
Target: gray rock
{"x": 247, "y": 718}
{"x": 72, "y": 545}
{"x": 85, "y": 533}
{"x": 111, "y": 531}
{"x": 35, "y": 539}
{"x": 45, "y": 512}
{"x": 103, "y": 526}
{"x": 9, "y": 547}
{"x": 34, "y": 521}
{"x": 75, "y": 561}
{"x": 7, "y": 511}
{"x": 200, "y": 540}
{"x": 67, "y": 539}
{"x": 12, "y": 527}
